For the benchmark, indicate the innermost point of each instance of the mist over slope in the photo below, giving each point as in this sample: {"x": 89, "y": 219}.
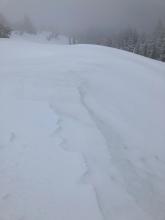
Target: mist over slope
{"x": 82, "y": 133}
{"x": 78, "y": 15}
{"x": 40, "y": 37}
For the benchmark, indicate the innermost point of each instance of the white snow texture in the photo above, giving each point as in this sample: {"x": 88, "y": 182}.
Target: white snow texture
{"x": 82, "y": 133}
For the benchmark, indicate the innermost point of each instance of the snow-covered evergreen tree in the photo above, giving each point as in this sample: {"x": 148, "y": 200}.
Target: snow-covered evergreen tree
{"x": 4, "y": 27}
{"x": 162, "y": 48}
{"x": 151, "y": 48}
{"x": 150, "y": 45}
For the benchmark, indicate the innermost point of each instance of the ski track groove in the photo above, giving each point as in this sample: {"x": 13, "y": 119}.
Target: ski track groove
{"x": 85, "y": 178}
{"x": 122, "y": 164}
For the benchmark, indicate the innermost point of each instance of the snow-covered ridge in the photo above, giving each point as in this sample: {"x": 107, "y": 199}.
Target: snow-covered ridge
{"x": 82, "y": 133}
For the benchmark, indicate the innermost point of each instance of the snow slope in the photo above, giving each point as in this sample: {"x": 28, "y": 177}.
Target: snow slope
{"x": 82, "y": 133}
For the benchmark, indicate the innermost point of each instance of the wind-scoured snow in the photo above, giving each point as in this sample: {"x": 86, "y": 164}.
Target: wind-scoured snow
{"x": 82, "y": 133}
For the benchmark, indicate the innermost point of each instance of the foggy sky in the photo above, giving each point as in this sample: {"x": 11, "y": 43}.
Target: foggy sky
{"x": 81, "y": 14}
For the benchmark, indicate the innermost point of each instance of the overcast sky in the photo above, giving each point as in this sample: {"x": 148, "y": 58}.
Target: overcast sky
{"x": 86, "y": 13}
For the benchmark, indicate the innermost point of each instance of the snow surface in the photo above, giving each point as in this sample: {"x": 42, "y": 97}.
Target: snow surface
{"x": 82, "y": 133}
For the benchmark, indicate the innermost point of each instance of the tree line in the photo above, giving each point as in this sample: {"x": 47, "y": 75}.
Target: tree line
{"x": 24, "y": 26}
{"x": 150, "y": 45}
{"x": 4, "y": 27}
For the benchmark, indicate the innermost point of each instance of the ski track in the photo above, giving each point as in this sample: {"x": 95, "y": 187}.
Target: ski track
{"x": 132, "y": 180}
{"x": 54, "y": 134}
{"x": 91, "y": 175}
{"x": 85, "y": 179}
